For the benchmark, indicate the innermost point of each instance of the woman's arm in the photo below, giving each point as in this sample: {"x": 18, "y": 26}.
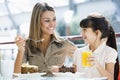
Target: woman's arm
{"x": 70, "y": 48}
{"x": 20, "y": 42}
{"x": 18, "y": 62}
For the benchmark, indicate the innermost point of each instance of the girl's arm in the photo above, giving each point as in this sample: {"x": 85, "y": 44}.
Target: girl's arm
{"x": 108, "y": 71}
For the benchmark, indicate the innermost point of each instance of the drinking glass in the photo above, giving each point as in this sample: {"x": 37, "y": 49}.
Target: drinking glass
{"x": 85, "y": 61}
{"x": 7, "y": 68}
{"x": 6, "y": 65}
{"x": 48, "y": 73}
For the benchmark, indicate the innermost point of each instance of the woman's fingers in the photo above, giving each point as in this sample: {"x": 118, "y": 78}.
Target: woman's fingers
{"x": 54, "y": 68}
{"x": 20, "y": 42}
{"x": 18, "y": 38}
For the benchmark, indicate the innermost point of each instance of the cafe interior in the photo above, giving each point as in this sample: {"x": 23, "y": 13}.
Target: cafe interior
{"x": 15, "y": 18}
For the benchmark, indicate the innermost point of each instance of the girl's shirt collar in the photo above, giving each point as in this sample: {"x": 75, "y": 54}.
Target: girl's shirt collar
{"x": 99, "y": 49}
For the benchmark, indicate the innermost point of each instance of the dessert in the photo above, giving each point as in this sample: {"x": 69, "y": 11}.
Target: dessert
{"x": 26, "y": 68}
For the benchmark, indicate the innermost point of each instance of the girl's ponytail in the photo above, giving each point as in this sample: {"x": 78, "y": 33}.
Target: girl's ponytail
{"x": 112, "y": 43}
{"x": 112, "y": 39}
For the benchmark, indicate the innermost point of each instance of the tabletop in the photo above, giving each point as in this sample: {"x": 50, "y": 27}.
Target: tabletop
{"x": 57, "y": 76}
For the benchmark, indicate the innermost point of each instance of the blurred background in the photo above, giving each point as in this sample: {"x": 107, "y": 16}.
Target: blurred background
{"x": 15, "y": 18}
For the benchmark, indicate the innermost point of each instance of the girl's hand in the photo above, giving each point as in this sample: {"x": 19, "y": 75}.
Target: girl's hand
{"x": 92, "y": 59}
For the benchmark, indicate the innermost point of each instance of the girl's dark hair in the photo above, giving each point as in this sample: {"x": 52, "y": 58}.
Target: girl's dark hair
{"x": 99, "y": 22}
{"x": 96, "y": 23}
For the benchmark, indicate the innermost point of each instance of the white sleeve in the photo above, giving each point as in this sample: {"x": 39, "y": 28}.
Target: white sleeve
{"x": 111, "y": 56}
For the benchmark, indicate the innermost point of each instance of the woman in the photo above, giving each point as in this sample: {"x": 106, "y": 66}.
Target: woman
{"x": 100, "y": 37}
{"x": 43, "y": 47}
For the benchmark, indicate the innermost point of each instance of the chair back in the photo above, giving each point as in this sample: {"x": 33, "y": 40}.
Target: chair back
{"x": 116, "y": 69}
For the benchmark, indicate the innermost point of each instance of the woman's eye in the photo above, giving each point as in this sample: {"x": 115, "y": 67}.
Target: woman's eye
{"x": 47, "y": 20}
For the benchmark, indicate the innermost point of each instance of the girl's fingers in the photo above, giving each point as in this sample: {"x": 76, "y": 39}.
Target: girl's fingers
{"x": 92, "y": 60}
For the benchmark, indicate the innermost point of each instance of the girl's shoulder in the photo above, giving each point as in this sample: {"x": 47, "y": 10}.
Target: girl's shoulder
{"x": 111, "y": 50}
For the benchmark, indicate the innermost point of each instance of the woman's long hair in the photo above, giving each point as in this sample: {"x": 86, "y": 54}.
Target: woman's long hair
{"x": 35, "y": 32}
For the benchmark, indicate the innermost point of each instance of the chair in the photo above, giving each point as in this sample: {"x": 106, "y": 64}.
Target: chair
{"x": 119, "y": 76}
{"x": 116, "y": 70}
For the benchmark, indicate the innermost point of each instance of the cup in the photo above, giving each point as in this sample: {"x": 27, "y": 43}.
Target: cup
{"x": 7, "y": 68}
{"x": 85, "y": 61}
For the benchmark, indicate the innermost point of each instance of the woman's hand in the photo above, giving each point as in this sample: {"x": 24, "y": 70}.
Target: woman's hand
{"x": 54, "y": 68}
{"x": 20, "y": 42}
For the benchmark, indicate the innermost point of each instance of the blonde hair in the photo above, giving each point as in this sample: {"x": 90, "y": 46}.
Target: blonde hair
{"x": 35, "y": 24}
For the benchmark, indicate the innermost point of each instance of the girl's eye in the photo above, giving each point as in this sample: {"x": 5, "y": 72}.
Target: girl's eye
{"x": 84, "y": 29}
{"x": 54, "y": 19}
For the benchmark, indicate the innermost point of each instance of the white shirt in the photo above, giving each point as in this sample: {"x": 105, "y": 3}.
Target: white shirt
{"x": 104, "y": 54}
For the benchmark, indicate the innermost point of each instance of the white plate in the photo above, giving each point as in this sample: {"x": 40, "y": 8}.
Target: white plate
{"x": 29, "y": 75}
{"x": 37, "y": 76}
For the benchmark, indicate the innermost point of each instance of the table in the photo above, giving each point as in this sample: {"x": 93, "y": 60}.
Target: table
{"x": 57, "y": 76}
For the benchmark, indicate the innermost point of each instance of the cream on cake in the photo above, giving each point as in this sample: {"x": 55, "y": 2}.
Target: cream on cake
{"x": 26, "y": 68}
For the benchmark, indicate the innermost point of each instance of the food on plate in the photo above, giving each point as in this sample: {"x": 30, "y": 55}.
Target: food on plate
{"x": 26, "y": 68}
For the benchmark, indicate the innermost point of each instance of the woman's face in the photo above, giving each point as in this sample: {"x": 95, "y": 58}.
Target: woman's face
{"x": 48, "y": 22}
{"x": 89, "y": 35}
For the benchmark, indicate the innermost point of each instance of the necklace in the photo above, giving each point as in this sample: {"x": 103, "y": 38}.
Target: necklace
{"x": 41, "y": 40}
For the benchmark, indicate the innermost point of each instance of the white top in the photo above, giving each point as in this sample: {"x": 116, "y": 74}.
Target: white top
{"x": 104, "y": 54}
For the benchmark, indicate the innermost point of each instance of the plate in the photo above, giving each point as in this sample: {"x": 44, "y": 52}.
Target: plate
{"x": 57, "y": 76}
{"x": 29, "y": 75}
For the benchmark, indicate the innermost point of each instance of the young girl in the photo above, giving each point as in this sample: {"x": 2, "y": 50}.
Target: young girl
{"x": 100, "y": 37}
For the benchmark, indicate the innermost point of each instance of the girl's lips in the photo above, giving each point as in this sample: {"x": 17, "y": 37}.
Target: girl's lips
{"x": 84, "y": 37}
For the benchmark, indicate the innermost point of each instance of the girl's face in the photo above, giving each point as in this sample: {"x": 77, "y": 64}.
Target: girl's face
{"x": 89, "y": 35}
{"x": 48, "y": 22}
